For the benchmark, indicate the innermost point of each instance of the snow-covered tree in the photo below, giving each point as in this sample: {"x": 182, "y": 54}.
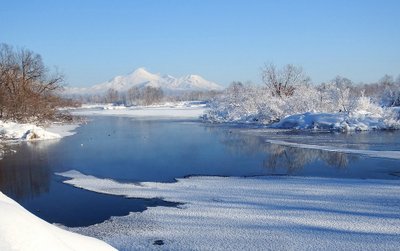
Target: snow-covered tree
{"x": 283, "y": 82}
{"x": 264, "y": 104}
{"x": 339, "y": 91}
{"x": 306, "y": 98}
{"x": 391, "y": 90}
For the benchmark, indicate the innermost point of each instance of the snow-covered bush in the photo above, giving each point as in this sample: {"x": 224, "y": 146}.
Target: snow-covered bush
{"x": 257, "y": 104}
{"x": 365, "y": 106}
{"x": 247, "y": 104}
{"x": 306, "y": 98}
{"x": 391, "y": 97}
{"x": 328, "y": 107}
{"x": 288, "y": 98}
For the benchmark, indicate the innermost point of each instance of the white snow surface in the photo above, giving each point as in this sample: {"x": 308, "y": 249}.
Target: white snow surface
{"x": 186, "y": 110}
{"x": 259, "y": 213}
{"x": 17, "y": 131}
{"x": 369, "y": 153}
{"x": 21, "y": 230}
{"x": 142, "y": 78}
{"x": 63, "y": 130}
{"x": 359, "y": 121}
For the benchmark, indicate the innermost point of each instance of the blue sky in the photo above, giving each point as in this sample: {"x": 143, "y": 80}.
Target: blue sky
{"x": 92, "y": 41}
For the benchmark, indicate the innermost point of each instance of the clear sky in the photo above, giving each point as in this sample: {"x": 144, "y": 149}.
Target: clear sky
{"x": 223, "y": 41}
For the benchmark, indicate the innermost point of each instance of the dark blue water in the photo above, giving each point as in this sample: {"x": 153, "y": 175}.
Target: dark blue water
{"x": 132, "y": 150}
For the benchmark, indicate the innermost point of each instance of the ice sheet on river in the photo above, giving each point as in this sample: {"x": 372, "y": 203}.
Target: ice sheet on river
{"x": 260, "y": 213}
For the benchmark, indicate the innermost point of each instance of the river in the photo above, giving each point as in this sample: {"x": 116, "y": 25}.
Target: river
{"x": 136, "y": 150}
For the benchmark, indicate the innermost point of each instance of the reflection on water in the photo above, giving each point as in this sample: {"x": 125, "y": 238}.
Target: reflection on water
{"x": 365, "y": 140}
{"x": 279, "y": 159}
{"x": 24, "y": 170}
{"x": 26, "y": 175}
{"x": 277, "y": 156}
{"x": 297, "y": 158}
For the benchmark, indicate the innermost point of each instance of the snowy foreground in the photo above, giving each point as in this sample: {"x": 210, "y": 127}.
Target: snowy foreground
{"x": 21, "y": 230}
{"x": 263, "y": 213}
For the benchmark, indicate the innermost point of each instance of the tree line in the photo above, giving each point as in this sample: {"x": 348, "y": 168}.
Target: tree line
{"x": 146, "y": 95}
{"x": 284, "y": 82}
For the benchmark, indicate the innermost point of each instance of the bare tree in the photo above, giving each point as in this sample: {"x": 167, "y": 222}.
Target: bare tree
{"x": 133, "y": 95}
{"x": 112, "y": 96}
{"x": 283, "y": 82}
{"x": 151, "y": 95}
{"x": 27, "y": 90}
{"x": 341, "y": 93}
{"x": 387, "y": 81}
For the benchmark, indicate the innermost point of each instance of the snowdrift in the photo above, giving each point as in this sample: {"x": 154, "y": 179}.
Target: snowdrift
{"x": 16, "y": 131}
{"x": 21, "y": 230}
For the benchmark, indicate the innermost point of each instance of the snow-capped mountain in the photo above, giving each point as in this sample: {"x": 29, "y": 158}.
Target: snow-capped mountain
{"x": 142, "y": 78}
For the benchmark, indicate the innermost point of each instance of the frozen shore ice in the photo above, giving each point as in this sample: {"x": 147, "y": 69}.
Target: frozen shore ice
{"x": 263, "y": 213}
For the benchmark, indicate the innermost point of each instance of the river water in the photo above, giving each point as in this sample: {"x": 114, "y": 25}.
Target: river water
{"x": 135, "y": 150}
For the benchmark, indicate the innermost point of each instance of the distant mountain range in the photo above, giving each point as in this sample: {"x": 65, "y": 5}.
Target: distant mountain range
{"x": 142, "y": 78}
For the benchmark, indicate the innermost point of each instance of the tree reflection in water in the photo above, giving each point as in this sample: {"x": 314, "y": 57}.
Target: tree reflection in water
{"x": 25, "y": 171}
{"x": 290, "y": 159}
{"x": 294, "y": 159}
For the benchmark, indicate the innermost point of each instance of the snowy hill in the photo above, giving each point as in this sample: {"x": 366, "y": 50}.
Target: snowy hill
{"x": 142, "y": 78}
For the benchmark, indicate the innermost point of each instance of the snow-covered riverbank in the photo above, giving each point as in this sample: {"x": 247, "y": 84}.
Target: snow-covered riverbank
{"x": 361, "y": 121}
{"x": 332, "y": 108}
{"x": 21, "y": 230}
{"x": 264, "y": 213}
{"x": 14, "y": 132}
{"x": 176, "y": 110}
{"x": 366, "y": 119}
{"x": 17, "y": 131}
